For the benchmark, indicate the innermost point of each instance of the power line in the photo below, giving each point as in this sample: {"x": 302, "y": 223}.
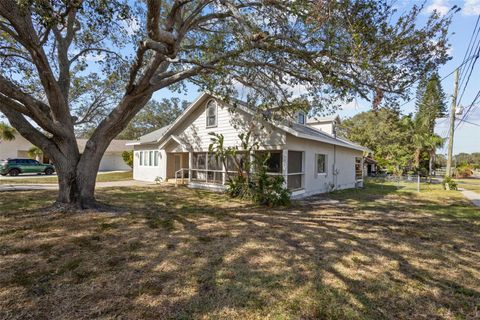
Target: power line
{"x": 475, "y": 124}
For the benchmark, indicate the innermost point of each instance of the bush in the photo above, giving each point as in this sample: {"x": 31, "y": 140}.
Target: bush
{"x": 463, "y": 171}
{"x": 128, "y": 158}
{"x": 261, "y": 188}
{"x": 448, "y": 181}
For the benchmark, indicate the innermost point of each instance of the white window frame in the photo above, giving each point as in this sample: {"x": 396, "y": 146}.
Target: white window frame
{"x": 150, "y": 158}
{"x": 325, "y": 166}
{"x": 155, "y": 158}
{"x": 140, "y": 158}
{"x": 207, "y": 115}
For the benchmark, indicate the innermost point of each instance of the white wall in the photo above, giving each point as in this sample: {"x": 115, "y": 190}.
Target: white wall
{"x": 315, "y": 183}
{"x": 17, "y": 148}
{"x": 193, "y": 129}
{"x": 323, "y": 126}
{"x": 113, "y": 162}
{"x": 149, "y": 173}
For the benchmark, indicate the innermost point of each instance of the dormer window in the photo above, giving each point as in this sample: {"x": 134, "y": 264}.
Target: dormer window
{"x": 211, "y": 114}
{"x": 301, "y": 117}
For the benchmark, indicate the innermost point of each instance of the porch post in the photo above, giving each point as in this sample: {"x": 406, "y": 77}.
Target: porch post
{"x": 224, "y": 173}
{"x": 190, "y": 166}
{"x": 285, "y": 166}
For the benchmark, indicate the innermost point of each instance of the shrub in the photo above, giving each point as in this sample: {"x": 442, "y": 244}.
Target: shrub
{"x": 448, "y": 181}
{"x": 463, "y": 171}
{"x": 128, "y": 158}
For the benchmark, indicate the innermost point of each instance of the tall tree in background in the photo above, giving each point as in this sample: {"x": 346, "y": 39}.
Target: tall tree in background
{"x": 430, "y": 105}
{"x": 384, "y": 131}
{"x": 334, "y": 49}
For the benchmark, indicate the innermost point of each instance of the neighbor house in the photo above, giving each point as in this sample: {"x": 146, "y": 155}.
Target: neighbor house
{"x": 306, "y": 153}
{"x": 111, "y": 161}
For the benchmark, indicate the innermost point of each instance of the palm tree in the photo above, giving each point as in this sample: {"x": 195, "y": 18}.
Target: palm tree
{"x": 431, "y": 144}
{"x": 35, "y": 152}
{"x": 425, "y": 142}
{"x": 7, "y": 133}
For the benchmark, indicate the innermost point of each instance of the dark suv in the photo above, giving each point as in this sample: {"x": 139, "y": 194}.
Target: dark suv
{"x": 14, "y": 167}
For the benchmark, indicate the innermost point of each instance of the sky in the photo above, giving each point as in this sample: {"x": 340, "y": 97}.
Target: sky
{"x": 467, "y": 136}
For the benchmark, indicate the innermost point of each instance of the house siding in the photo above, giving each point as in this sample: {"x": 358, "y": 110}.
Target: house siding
{"x": 314, "y": 183}
{"x": 149, "y": 173}
{"x": 230, "y": 123}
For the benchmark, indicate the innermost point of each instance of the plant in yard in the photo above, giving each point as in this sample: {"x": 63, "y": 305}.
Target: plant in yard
{"x": 464, "y": 170}
{"x": 127, "y": 157}
{"x": 35, "y": 152}
{"x": 7, "y": 133}
{"x": 69, "y": 63}
{"x": 251, "y": 180}
{"x": 449, "y": 184}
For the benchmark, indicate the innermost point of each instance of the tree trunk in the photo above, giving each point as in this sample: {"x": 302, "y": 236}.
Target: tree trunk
{"x": 76, "y": 186}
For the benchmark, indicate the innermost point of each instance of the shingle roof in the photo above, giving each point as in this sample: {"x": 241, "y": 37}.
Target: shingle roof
{"x": 151, "y": 137}
{"x": 115, "y": 145}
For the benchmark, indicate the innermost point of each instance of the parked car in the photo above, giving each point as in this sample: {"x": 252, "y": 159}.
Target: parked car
{"x": 14, "y": 167}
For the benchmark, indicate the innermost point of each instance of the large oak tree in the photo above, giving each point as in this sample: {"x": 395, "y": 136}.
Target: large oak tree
{"x": 51, "y": 51}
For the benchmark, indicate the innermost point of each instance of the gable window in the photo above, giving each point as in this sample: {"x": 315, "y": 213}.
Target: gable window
{"x": 301, "y": 117}
{"x": 321, "y": 164}
{"x": 212, "y": 114}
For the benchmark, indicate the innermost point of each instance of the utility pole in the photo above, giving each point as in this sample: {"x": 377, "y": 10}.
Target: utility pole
{"x": 453, "y": 110}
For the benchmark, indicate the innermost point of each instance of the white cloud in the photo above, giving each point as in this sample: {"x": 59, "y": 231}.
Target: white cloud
{"x": 471, "y": 7}
{"x": 440, "y": 6}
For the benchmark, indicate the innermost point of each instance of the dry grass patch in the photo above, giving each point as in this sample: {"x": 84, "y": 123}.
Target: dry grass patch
{"x": 380, "y": 252}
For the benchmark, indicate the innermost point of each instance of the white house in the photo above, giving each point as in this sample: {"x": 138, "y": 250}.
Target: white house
{"x": 309, "y": 155}
{"x": 111, "y": 161}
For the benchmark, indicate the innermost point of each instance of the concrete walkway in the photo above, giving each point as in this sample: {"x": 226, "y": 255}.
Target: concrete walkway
{"x": 472, "y": 196}
{"x": 51, "y": 186}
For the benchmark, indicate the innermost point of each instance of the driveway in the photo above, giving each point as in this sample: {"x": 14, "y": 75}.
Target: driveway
{"x": 51, "y": 186}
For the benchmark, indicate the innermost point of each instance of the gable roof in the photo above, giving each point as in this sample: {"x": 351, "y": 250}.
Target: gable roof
{"x": 303, "y": 131}
{"x": 151, "y": 137}
{"x": 330, "y": 118}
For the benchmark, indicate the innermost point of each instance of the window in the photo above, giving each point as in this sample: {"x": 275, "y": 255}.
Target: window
{"x": 234, "y": 164}
{"x": 150, "y": 158}
{"x": 321, "y": 164}
{"x": 199, "y": 161}
{"x": 141, "y": 158}
{"x": 358, "y": 168}
{"x": 295, "y": 170}
{"x": 155, "y": 158}
{"x": 301, "y": 117}
{"x": 212, "y": 114}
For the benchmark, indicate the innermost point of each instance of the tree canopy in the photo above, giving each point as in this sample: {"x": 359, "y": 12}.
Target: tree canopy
{"x": 64, "y": 61}
{"x": 384, "y": 131}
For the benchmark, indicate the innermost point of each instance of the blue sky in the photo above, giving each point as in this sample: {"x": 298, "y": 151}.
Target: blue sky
{"x": 467, "y": 136}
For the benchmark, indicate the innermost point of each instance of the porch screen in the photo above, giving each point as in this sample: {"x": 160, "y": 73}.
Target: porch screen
{"x": 358, "y": 168}
{"x": 295, "y": 170}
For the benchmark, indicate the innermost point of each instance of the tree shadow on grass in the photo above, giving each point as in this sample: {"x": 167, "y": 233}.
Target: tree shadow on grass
{"x": 190, "y": 254}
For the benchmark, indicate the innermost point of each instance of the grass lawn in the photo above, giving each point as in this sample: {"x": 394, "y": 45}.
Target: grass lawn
{"x": 375, "y": 253}
{"x": 101, "y": 177}
{"x": 472, "y": 184}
